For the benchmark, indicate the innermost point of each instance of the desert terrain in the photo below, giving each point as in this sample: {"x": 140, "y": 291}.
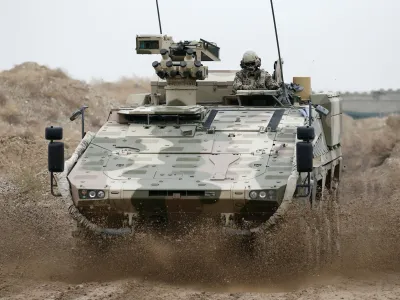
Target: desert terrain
{"x": 38, "y": 256}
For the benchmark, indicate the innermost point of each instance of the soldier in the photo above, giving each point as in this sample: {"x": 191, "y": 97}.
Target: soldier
{"x": 251, "y": 76}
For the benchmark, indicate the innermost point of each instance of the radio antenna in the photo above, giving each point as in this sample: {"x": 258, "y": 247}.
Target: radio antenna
{"x": 279, "y": 54}
{"x": 159, "y": 20}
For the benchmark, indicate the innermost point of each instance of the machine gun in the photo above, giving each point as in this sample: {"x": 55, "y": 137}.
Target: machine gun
{"x": 181, "y": 64}
{"x": 153, "y": 44}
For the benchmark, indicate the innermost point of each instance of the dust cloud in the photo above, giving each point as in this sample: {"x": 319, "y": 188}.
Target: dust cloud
{"x": 36, "y": 242}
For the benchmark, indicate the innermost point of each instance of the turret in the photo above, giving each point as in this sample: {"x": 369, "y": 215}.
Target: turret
{"x": 180, "y": 65}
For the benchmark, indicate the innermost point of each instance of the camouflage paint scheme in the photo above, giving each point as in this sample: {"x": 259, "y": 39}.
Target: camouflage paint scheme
{"x": 164, "y": 169}
{"x": 247, "y": 80}
{"x": 156, "y": 159}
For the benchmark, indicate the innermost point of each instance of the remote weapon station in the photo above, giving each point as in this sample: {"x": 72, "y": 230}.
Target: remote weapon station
{"x": 191, "y": 148}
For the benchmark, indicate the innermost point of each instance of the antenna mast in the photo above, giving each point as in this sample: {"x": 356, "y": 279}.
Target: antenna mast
{"x": 159, "y": 20}
{"x": 279, "y": 53}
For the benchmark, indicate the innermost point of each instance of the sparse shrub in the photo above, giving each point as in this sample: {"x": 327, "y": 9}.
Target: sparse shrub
{"x": 13, "y": 119}
{"x": 27, "y": 181}
{"x": 53, "y": 115}
{"x": 11, "y": 115}
{"x": 62, "y": 95}
{"x": 57, "y": 73}
{"x": 95, "y": 122}
{"x": 27, "y": 134}
{"x": 393, "y": 122}
{"x": 121, "y": 89}
{"x": 51, "y": 93}
{"x": 3, "y": 99}
{"x": 32, "y": 123}
{"x": 34, "y": 88}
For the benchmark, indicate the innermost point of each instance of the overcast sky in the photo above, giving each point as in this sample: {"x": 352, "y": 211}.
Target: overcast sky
{"x": 342, "y": 44}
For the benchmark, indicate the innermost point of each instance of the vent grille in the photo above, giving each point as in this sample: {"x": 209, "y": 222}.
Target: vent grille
{"x": 165, "y": 193}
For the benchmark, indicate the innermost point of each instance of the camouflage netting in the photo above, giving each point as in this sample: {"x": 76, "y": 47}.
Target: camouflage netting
{"x": 64, "y": 189}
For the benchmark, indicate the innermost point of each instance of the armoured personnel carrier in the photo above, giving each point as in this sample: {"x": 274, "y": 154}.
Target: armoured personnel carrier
{"x": 193, "y": 150}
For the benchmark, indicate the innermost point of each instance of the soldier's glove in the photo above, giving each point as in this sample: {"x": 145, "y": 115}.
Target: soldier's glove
{"x": 246, "y": 81}
{"x": 259, "y": 85}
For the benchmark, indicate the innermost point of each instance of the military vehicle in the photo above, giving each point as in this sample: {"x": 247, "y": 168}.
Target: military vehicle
{"x": 191, "y": 149}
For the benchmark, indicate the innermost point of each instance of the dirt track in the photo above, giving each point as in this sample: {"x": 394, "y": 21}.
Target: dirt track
{"x": 38, "y": 258}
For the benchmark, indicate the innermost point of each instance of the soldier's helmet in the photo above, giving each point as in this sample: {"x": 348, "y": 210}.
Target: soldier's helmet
{"x": 250, "y": 61}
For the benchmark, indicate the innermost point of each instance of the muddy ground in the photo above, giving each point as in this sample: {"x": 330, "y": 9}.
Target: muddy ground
{"x": 40, "y": 260}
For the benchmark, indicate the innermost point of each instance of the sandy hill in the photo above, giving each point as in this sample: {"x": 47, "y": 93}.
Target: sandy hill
{"x": 34, "y": 96}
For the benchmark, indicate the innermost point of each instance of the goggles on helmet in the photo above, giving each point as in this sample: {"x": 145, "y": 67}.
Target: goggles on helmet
{"x": 250, "y": 64}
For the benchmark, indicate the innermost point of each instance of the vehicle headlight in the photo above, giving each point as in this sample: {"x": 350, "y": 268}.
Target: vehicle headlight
{"x": 253, "y": 194}
{"x": 100, "y": 194}
{"x": 263, "y": 194}
{"x": 92, "y": 194}
{"x": 270, "y": 195}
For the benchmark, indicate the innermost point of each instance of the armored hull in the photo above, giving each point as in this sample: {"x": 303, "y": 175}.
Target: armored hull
{"x": 160, "y": 162}
{"x": 192, "y": 148}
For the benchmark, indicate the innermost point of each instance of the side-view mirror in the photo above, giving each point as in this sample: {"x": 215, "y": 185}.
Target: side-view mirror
{"x": 55, "y": 153}
{"x": 56, "y": 157}
{"x": 53, "y": 133}
{"x": 305, "y": 133}
{"x": 304, "y": 157}
{"x": 304, "y": 149}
